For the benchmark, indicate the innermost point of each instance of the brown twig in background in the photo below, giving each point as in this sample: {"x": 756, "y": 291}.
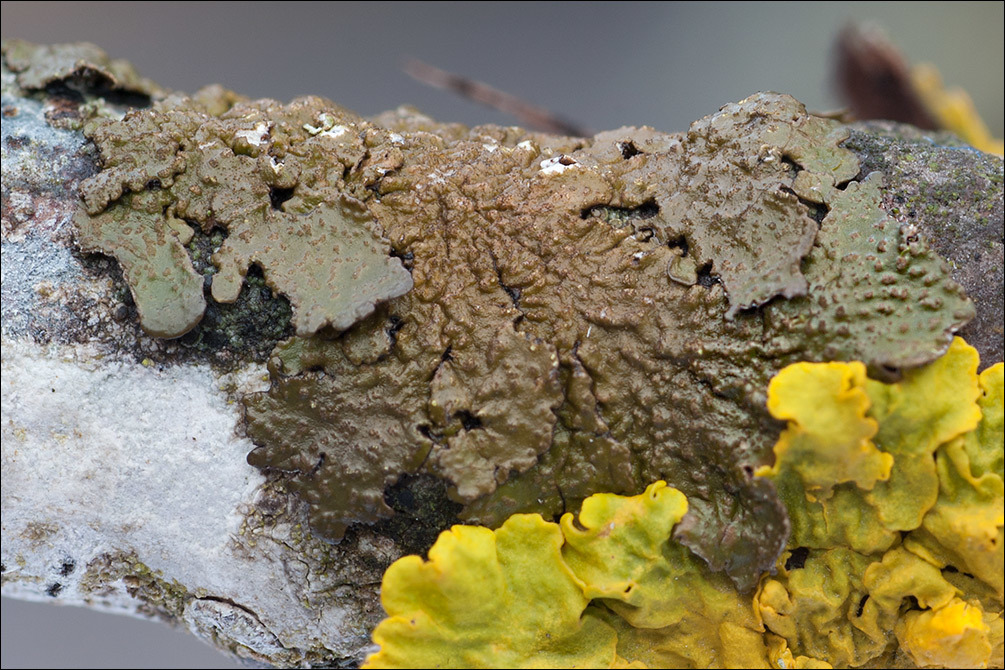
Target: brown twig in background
{"x": 528, "y": 114}
{"x": 875, "y": 80}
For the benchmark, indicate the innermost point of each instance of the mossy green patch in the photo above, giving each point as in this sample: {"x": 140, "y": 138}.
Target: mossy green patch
{"x": 158, "y": 597}
{"x": 875, "y": 283}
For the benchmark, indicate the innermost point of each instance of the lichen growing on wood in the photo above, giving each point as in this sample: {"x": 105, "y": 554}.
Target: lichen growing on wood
{"x": 583, "y": 314}
{"x": 916, "y": 551}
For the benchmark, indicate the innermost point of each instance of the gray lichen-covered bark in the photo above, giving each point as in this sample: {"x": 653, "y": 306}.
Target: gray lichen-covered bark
{"x": 254, "y": 352}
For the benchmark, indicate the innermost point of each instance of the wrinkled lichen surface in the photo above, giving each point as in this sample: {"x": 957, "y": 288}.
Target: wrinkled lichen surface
{"x": 530, "y": 318}
{"x": 588, "y": 254}
{"x": 956, "y": 194}
{"x": 577, "y": 315}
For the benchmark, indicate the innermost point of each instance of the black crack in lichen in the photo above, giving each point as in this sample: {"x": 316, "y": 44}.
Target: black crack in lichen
{"x": 67, "y": 566}
{"x": 175, "y": 166}
{"x": 733, "y": 227}
{"x": 662, "y": 330}
{"x": 422, "y": 511}
{"x": 252, "y": 324}
{"x": 493, "y": 408}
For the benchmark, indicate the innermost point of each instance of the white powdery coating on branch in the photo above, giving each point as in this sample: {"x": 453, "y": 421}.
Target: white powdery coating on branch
{"x": 104, "y": 457}
{"x": 123, "y": 450}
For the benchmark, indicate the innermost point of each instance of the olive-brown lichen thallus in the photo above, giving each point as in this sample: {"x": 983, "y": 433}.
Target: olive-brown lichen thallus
{"x": 554, "y": 316}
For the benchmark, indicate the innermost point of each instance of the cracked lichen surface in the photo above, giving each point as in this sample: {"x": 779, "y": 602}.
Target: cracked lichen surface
{"x": 584, "y": 314}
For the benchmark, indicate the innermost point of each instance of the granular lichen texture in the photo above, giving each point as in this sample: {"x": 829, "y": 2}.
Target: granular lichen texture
{"x": 531, "y": 318}
{"x": 613, "y": 588}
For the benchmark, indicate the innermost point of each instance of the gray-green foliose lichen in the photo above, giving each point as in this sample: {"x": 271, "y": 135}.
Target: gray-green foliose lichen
{"x": 259, "y": 171}
{"x": 80, "y": 66}
{"x": 581, "y": 315}
{"x": 955, "y": 193}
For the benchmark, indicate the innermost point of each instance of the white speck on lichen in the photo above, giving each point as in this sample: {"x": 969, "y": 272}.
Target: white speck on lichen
{"x": 255, "y": 136}
{"x": 557, "y": 165}
{"x": 328, "y": 128}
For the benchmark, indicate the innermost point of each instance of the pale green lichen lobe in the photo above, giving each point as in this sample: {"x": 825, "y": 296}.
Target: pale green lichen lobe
{"x": 37, "y": 66}
{"x": 739, "y": 212}
{"x": 256, "y": 171}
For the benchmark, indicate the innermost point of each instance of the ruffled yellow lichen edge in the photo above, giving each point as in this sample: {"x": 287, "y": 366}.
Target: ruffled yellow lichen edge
{"x": 896, "y": 496}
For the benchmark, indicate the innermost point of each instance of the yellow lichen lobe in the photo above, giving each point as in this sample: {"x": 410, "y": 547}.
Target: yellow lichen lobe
{"x": 905, "y": 554}
{"x": 489, "y": 599}
{"x": 954, "y": 636}
{"x": 611, "y": 590}
{"x": 830, "y": 433}
{"x": 909, "y": 573}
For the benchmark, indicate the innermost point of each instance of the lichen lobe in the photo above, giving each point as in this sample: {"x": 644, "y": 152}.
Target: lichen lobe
{"x": 78, "y": 64}
{"x": 731, "y": 194}
{"x": 574, "y": 317}
{"x": 176, "y": 166}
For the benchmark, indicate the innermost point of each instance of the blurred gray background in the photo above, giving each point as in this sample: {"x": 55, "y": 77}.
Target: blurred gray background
{"x": 600, "y": 64}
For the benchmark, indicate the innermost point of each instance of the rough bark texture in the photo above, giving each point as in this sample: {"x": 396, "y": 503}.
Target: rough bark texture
{"x": 577, "y": 315}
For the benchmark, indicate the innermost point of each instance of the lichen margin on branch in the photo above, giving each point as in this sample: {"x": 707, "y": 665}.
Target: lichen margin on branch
{"x": 645, "y": 314}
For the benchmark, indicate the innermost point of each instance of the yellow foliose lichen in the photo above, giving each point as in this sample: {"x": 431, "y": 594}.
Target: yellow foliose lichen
{"x": 618, "y": 593}
{"x": 895, "y": 559}
{"x": 881, "y": 482}
{"x": 909, "y": 568}
{"x": 954, "y": 636}
{"x": 964, "y": 528}
{"x": 487, "y": 598}
{"x": 954, "y": 109}
{"x": 677, "y": 610}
